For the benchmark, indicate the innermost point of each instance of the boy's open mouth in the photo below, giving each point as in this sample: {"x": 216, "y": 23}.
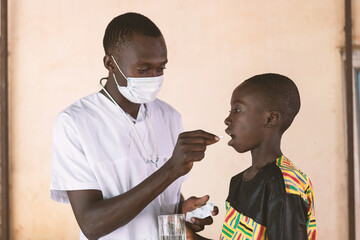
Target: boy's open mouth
{"x": 228, "y": 132}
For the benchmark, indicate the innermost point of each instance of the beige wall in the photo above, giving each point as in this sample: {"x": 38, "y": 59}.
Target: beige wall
{"x": 56, "y": 58}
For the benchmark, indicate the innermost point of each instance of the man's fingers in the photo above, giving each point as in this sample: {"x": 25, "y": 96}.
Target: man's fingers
{"x": 208, "y": 137}
{"x": 209, "y": 142}
{"x": 205, "y": 221}
{"x": 201, "y": 201}
{"x": 190, "y": 147}
{"x": 196, "y": 228}
{"x": 195, "y": 147}
{"x": 198, "y": 133}
{"x": 193, "y": 140}
{"x": 215, "y": 211}
{"x": 196, "y": 156}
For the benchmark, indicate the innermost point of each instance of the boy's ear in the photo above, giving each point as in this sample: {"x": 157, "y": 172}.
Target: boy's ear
{"x": 273, "y": 118}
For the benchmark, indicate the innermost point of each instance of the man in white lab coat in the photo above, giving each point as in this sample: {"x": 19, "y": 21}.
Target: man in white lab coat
{"x": 120, "y": 155}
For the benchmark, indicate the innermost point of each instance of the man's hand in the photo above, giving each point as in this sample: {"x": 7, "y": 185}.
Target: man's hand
{"x": 191, "y": 204}
{"x": 190, "y": 147}
{"x": 192, "y": 235}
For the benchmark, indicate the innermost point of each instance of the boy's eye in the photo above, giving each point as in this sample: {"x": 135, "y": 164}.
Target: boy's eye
{"x": 235, "y": 110}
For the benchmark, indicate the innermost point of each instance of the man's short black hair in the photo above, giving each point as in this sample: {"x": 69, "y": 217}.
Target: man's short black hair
{"x": 277, "y": 93}
{"x": 121, "y": 28}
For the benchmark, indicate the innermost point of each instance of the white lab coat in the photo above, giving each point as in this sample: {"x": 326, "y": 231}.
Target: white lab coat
{"x": 94, "y": 147}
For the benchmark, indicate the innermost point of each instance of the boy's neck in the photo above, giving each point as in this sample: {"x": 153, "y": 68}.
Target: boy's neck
{"x": 260, "y": 160}
{"x": 261, "y": 156}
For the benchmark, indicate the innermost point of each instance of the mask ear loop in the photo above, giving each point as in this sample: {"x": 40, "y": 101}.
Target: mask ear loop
{"x": 117, "y": 65}
{"x": 116, "y": 80}
{"x": 107, "y": 93}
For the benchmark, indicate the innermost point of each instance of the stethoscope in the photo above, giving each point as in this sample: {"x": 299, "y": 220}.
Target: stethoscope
{"x": 132, "y": 125}
{"x": 152, "y": 132}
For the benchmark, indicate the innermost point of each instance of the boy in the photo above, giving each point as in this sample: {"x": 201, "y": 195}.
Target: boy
{"x": 272, "y": 199}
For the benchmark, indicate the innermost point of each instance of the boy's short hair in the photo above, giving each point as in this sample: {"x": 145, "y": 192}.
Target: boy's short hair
{"x": 277, "y": 93}
{"x": 121, "y": 28}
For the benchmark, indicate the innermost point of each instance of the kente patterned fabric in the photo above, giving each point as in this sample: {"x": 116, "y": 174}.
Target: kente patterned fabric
{"x": 277, "y": 204}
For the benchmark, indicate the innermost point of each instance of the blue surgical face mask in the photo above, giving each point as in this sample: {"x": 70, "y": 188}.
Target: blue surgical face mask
{"x": 139, "y": 89}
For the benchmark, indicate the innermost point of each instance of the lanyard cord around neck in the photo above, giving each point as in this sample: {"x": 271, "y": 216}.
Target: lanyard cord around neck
{"x": 163, "y": 208}
{"x": 131, "y": 123}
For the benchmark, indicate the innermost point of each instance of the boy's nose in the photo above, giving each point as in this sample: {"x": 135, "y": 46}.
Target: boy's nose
{"x": 227, "y": 121}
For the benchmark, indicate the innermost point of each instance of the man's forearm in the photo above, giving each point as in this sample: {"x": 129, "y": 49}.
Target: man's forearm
{"x": 98, "y": 217}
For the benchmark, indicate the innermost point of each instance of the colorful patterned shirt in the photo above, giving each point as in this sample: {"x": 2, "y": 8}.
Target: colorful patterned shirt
{"x": 277, "y": 204}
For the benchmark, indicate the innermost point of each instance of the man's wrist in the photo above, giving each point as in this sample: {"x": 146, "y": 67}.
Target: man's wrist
{"x": 171, "y": 171}
{"x": 181, "y": 203}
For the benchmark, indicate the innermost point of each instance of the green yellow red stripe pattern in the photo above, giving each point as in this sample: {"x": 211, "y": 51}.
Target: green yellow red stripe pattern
{"x": 298, "y": 183}
{"x": 239, "y": 227}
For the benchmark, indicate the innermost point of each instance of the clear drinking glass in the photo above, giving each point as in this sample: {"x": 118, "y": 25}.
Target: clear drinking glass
{"x": 172, "y": 227}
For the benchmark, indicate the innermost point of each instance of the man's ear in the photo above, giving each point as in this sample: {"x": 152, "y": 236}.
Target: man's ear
{"x": 109, "y": 63}
{"x": 272, "y": 119}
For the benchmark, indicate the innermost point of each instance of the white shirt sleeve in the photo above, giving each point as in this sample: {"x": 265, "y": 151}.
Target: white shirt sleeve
{"x": 70, "y": 169}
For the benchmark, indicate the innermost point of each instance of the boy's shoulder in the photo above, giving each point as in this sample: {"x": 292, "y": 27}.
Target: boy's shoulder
{"x": 282, "y": 175}
{"x": 295, "y": 181}
{"x": 269, "y": 178}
